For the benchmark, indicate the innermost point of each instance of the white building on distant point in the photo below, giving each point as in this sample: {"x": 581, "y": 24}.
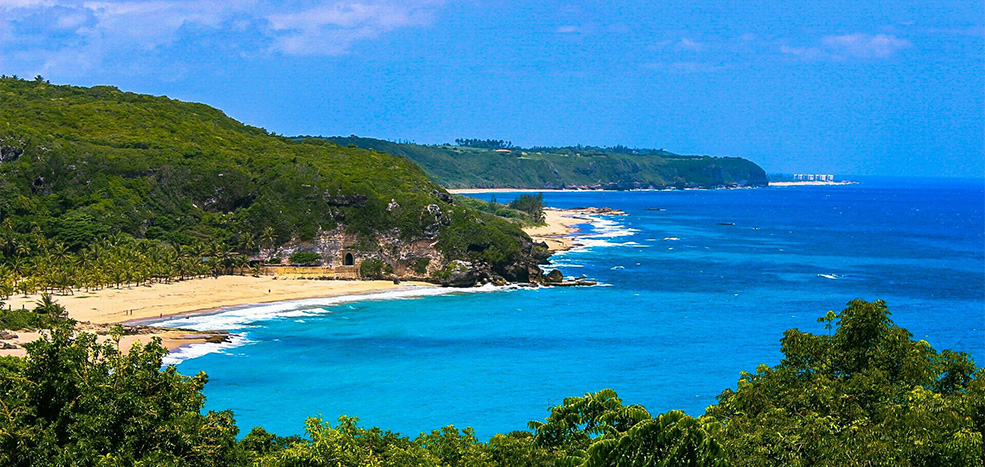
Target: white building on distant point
{"x": 813, "y": 177}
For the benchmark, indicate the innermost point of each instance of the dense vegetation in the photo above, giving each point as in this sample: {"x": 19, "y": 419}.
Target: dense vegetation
{"x": 494, "y": 163}
{"x": 866, "y": 393}
{"x": 863, "y": 394}
{"x": 525, "y": 210}
{"x": 131, "y": 184}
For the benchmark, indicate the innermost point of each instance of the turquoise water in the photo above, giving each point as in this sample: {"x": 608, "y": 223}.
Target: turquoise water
{"x": 685, "y": 305}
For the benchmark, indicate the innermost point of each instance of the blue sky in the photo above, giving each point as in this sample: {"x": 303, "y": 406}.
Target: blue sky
{"x": 868, "y": 88}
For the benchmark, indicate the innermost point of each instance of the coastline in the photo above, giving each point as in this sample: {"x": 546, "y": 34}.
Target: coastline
{"x": 468, "y": 191}
{"x": 95, "y": 310}
{"x": 465, "y": 191}
{"x": 815, "y": 183}
{"x": 558, "y": 233}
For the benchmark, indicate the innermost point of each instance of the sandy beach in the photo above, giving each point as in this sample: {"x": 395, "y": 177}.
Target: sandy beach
{"x": 133, "y": 304}
{"x": 560, "y": 225}
{"x": 557, "y": 233}
{"x": 171, "y": 339}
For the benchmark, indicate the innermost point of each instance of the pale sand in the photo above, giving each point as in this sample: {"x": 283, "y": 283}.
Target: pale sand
{"x": 560, "y": 226}
{"x": 111, "y": 305}
{"x": 170, "y": 339}
{"x": 195, "y": 295}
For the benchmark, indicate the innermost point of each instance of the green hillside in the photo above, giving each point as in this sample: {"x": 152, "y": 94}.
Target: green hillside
{"x": 568, "y": 167}
{"x": 79, "y": 164}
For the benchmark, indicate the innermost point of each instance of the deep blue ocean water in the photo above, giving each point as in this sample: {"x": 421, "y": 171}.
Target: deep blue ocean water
{"x": 685, "y": 305}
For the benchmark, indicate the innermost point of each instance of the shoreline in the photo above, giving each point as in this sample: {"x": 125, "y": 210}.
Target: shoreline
{"x": 815, "y": 183}
{"x": 465, "y": 191}
{"x": 137, "y": 305}
{"x": 558, "y": 233}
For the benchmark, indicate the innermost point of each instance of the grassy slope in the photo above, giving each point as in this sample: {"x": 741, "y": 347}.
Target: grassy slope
{"x": 101, "y": 161}
{"x": 462, "y": 167}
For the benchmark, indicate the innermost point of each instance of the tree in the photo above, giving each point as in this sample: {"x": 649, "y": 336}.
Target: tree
{"x": 268, "y": 238}
{"x": 248, "y": 243}
{"x": 868, "y": 394}
{"x": 74, "y": 401}
{"x": 304, "y": 258}
{"x": 531, "y": 204}
{"x": 598, "y": 430}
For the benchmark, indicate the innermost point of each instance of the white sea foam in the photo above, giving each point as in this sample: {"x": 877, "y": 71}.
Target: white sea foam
{"x": 189, "y": 352}
{"x": 604, "y": 231}
{"x": 242, "y": 316}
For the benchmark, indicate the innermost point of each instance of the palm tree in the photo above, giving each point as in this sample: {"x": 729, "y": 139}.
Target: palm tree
{"x": 5, "y": 242}
{"x": 6, "y": 289}
{"x": 39, "y": 239}
{"x": 268, "y": 238}
{"x": 47, "y": 305}
{"x": 25, "y": 286}
{"x": 59, "y": 252}
{"x": 248, "y": 243}
{"x": 17, "y": 266}
{"x": 22, "y": 248}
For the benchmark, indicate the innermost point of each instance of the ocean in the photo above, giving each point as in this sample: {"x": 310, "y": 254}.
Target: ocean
{"x": 684, "y": 303}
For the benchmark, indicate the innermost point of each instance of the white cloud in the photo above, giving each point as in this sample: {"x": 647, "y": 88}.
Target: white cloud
{"x": 686, "y": 67}
{"x": 330, "y": 29}
{"x": 865, "y": 45}
{"x": 63, "y": 35}
{"x": 840, "y": 47}
{"x": 690, "y": 45}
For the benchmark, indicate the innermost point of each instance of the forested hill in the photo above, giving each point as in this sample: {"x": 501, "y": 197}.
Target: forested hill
{"x": 484, "y": 164}
{"x": 79, "y": 164}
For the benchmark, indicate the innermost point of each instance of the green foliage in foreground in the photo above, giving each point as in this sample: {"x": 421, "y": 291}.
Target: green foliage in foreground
{"x": 864, "y": 395}
{"x": 478, "y": 164}
{"x": 867, "y": 394}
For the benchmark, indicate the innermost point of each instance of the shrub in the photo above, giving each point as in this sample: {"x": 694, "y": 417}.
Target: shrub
{"x": 372, "y": 268}
{"x": 304, "y": 257}
{"x": 421, "y": 265}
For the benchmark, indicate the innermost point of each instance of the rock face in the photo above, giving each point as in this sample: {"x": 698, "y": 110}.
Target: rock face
{"x": 555, "y": 277}
{"x": 10, "y": 153}
{"x": 463, "y": 274}
{"x": 471, "y": 273}
{"x": 345, "y": 200}
{"x": 417, "y": 259}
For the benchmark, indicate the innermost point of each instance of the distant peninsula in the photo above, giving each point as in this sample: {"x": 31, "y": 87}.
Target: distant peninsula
{"x": 472, "y": 163}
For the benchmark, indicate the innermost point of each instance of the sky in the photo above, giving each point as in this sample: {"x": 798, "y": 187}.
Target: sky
{"x": 883, "y": 87}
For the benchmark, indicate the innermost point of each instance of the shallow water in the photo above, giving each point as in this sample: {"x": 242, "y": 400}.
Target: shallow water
{"x": 685, "y": 305}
